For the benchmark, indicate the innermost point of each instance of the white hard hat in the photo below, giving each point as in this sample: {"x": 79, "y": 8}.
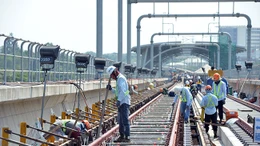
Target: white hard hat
{"x": 187, "y": 82}
{"x": 198, "y": 77}
{"x": 177, "y": 90}
{"x": 110, "y": 69}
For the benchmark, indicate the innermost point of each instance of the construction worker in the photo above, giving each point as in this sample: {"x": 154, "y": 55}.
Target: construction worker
{"x": 123, "y": 102}
{"x": 210, "y": 80}
{"x": 199, "y": 82}
{"x": 80, "y": 126}
{"x": 187, "y": 83}
{"x": 133, "y": 89}
{"x": 219, "y": 90}
{"x": 183, "y": 93}
{"x": 209, "y": 103}
{"x": 226, "y": 82}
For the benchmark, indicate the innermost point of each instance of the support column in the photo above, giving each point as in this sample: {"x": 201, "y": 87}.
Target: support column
{"x": 99, "y": 33}
{"x": 120, "y": 30}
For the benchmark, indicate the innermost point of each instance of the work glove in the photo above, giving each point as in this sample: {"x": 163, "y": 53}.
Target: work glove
{"x": 118, "y": 103}
{"x": 109, "y": 87}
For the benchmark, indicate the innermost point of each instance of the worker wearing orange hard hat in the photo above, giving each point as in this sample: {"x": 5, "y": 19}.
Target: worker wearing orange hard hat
{"x": 78, "y": 128}
{"x": 209, "y": 103}
{"x": 219, "y": 90}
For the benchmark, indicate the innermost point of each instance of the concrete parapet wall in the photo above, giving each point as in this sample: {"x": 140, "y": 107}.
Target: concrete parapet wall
{"x": 23, "y": 103}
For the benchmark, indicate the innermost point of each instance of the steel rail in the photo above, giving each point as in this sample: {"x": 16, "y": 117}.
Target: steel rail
{"x": 248, "y": 104}
{"x": 28, "y": 126}
{"x": 173, "y": 138}
{"x": 20, "y": 135}
{"x": 112, "y": 131}
{"x": 15, "y": 142}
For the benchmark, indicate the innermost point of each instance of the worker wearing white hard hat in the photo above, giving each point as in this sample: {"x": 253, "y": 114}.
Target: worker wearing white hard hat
{"x": 187, "y": 83}
{"x": 123, "y": 102}
{"x": 183, "y": 93}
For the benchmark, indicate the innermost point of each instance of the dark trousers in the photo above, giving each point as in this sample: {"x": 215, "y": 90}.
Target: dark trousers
{"x": 213, "y": 119}
{"x": 220, "y": 109}
{"x": 124, "y": 126}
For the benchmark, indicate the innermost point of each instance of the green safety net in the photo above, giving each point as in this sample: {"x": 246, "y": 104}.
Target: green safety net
{"x": 223, "y": 43}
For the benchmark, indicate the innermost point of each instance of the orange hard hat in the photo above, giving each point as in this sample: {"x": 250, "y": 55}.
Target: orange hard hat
{"x": 135, "y": 87}
{"x": 216, "y": 76}
{"x": 208, "y": 87}
{"x": 161, "y": 90}
{"x": 88, "y": 126}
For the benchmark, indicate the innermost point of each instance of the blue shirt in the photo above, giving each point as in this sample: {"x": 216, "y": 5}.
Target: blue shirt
{"x": 122, "y": 90}
{"x": 209, "y": 81}
{"x": 226, "y": 82}
{"x": 185, "y": 92}
{"x": 209, "y": 102}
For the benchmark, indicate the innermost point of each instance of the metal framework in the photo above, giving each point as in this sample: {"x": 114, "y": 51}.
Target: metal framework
{"x": 249, "y": 26}
{"x": 220, "y": 33}
{"x": 29, "y": 69}
{"x": 181, "y": 1}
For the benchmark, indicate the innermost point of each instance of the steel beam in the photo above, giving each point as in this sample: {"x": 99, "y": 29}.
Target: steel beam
{"x": 220, "y": 33}
{"x": 249, "y": 26}
{"x": 181, "y": 1}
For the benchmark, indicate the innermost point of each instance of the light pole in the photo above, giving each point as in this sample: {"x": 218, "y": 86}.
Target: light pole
{"x": 249, "y": 67}
{"x": 47, "y": 60}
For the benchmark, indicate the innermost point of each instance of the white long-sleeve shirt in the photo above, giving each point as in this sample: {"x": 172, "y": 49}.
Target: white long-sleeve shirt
{"x": 121, "y": 90}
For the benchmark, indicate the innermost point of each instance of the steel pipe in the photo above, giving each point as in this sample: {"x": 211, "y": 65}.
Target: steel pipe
{"x": 249, "y": 26}
{"x": 220, "y": 33}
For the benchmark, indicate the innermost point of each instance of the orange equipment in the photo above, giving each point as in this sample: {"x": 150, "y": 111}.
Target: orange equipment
{"x": 231, "y": 114}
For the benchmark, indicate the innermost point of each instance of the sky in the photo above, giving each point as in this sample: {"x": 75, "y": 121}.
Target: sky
{"x": 72, "y": 23}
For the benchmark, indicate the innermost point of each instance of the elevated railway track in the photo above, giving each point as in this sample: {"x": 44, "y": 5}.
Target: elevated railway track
{"x": 154, "y": 121}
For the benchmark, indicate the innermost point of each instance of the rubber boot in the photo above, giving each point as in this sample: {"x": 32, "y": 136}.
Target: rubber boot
{"x": 127, "y": 139}
{"x": 215, "y": 134}
{"x": 120, "y": 138}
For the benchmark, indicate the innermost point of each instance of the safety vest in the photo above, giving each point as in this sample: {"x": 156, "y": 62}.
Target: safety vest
{"x": 116, "y": 92}
{"x": 183, "y": 96}
{"x": 210, "y": 102}
{"x": 215, "y": 91}
{"x": 64, "y": 125}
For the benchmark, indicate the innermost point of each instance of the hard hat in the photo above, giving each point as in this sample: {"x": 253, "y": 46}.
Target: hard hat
{"x": 216, "y": 76}
{"x": 177, "y": 90}
{"x": 110, "y": 69}
{"x": 135, "y": 87}
{"x": 191, "y": 81}
{"x": 88, "y": 126}
{"x": 198, "y": 77}
{"x": 208, "y": 87}
{"x": 187, "y": 82}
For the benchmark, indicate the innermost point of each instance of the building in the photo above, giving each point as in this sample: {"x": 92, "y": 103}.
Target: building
{"x": 239, "y": 38}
